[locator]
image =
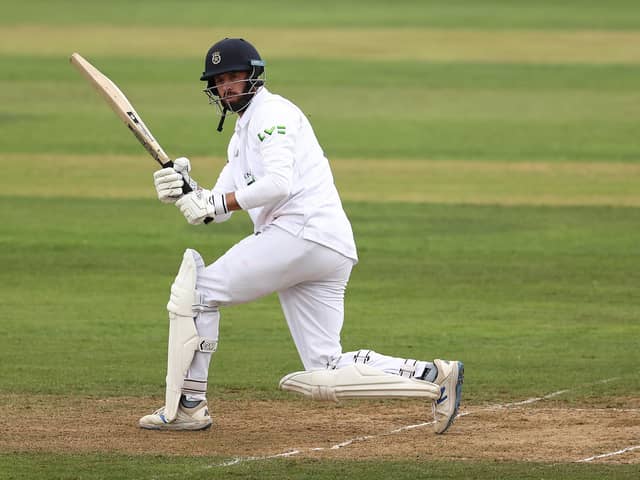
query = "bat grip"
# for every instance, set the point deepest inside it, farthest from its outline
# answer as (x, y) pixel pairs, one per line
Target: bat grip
(186, 188)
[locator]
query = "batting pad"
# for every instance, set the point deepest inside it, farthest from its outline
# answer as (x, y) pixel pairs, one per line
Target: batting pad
(184, 340)
(356, 381)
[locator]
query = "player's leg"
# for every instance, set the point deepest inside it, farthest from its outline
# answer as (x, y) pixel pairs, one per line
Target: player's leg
(256, 266)
(314, 309)
(193, 336)
(405, 367)
(448, 375)
(367, 374)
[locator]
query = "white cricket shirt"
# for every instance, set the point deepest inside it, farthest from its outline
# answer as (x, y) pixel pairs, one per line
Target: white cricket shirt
(281, 176)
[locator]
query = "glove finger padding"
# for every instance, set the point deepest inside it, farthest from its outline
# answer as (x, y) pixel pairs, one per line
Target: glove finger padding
(169, 182)
(168, 185)
(170, 196)
(182, 165)
(164, 172)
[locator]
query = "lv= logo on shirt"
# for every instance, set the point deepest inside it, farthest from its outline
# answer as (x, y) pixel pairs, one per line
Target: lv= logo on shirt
(281, 129)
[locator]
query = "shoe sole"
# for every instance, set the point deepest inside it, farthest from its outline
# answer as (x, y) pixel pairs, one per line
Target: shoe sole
(458, 396)
(176, 428)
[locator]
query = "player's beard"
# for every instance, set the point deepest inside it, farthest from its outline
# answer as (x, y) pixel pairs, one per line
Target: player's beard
(241, 101)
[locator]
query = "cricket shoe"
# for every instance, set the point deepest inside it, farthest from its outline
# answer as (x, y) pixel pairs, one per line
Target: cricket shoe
(449, 379)
(187, 418)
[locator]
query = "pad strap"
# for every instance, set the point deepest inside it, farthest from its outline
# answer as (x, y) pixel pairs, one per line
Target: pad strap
(408, 368)
(199, 304)
(194, 387)
(362, 357)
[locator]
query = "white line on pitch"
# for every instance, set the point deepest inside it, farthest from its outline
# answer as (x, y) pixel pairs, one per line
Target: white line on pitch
(290, 453)
(238, 460)
(610, 454)
(550, 395)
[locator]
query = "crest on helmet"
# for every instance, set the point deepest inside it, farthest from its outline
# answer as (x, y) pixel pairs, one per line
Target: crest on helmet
(215, 58)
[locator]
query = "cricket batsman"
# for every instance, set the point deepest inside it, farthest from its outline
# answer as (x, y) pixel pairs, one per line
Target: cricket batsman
(302, 248)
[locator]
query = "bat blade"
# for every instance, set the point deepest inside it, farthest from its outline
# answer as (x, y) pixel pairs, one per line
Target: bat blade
(122, 107)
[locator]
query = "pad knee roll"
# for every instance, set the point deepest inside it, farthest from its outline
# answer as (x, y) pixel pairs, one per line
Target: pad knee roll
(183, 290)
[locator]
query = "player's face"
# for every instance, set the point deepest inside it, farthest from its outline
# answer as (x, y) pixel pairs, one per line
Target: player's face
(231, 87)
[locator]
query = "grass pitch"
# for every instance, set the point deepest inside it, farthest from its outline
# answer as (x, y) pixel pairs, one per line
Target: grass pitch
(488, 159)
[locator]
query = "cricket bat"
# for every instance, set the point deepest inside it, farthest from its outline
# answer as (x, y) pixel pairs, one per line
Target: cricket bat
(123, 108)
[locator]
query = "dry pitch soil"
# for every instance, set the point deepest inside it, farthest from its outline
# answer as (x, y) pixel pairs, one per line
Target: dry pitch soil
(544, 431)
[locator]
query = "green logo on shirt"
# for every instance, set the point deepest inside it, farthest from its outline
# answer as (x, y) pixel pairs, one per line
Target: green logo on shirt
(280, 129)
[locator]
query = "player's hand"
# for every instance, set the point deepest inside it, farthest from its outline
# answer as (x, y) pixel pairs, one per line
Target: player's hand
(169, 181)
(200, 204)
(182, 165)
(168, 184)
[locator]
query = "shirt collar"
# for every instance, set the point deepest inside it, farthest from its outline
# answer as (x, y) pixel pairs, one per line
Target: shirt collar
(246, 116)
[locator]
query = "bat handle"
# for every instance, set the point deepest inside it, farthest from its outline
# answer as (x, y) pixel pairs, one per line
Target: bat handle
(186, 188)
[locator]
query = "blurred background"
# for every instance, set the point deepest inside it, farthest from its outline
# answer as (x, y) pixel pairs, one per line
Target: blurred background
(487, 154)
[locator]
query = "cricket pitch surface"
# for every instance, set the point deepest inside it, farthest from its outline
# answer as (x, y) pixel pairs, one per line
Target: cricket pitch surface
(253, 430)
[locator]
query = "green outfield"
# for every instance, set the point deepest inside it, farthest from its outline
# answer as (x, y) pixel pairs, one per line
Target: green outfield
(487, 154)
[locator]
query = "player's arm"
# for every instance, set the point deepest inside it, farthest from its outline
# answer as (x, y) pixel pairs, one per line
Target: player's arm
(223, 185)
(271, 188)
(274, 137)
(232, 202)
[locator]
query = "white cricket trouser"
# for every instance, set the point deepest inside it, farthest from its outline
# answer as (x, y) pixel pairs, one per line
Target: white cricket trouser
(310, 280)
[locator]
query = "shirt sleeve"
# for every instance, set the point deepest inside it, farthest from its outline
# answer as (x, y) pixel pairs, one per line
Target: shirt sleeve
(274, 135)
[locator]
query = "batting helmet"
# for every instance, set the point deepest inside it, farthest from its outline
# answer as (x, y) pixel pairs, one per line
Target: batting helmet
(232, 55)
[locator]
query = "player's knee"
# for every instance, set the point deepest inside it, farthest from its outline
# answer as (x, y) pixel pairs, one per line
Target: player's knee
(185, 299)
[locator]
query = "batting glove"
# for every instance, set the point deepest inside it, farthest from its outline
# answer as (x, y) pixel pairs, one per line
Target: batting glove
(182, 165)
(169, 181)
(168, 184)
(201, 204)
